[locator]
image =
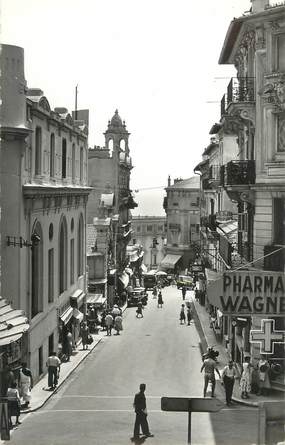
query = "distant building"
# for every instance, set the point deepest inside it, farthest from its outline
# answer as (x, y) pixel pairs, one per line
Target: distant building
(44, 196)
(149, 232)
(181, 205)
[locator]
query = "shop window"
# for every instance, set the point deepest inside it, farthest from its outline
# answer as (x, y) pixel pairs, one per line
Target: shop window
(52, 156)
(37, 273)
(63, 159)
(50, 275)
(62, 256)
(38, 151)
(80, 236)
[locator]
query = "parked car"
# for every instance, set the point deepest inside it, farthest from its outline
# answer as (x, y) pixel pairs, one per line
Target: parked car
(135, 295)
(184, 280)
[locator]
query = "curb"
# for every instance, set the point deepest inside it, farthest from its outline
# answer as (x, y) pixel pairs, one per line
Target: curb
(31, 410)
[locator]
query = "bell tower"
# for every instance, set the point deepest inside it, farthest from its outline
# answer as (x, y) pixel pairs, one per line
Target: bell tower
(117, 133)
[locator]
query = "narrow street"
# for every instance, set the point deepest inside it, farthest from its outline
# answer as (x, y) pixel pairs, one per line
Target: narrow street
(95, 405)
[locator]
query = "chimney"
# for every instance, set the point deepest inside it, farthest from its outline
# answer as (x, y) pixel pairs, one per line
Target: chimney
(259, 5)
(13, 87)
(168, 181)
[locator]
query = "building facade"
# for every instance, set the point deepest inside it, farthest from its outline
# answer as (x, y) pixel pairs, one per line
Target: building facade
(149, 232)
(44, 196)
(182, 208)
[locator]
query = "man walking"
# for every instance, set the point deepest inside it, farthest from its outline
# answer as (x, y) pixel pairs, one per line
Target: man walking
(210, 367)
(141, 414)
(183, 292)
(229, 374)
(53, 364)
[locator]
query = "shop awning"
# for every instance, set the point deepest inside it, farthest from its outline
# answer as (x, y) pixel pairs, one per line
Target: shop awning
(77, 314)
(13, 323)
(96, 299)
(77, 297)
(124, 278)
(98, 281)
(66, 316)
(170, 260)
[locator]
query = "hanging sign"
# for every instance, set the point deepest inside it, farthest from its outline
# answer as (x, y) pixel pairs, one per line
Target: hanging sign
(267, 337)
(249, 292)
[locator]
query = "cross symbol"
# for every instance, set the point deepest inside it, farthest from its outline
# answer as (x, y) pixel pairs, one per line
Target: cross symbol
(267, 336)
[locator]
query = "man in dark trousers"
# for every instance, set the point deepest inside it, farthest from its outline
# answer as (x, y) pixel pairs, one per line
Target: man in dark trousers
(141, 414)
(183, 292)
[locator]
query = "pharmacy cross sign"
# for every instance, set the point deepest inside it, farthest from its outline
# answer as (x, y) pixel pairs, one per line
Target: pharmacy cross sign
(267, 336)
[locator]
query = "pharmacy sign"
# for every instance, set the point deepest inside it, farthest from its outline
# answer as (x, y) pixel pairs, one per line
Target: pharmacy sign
(267, 337)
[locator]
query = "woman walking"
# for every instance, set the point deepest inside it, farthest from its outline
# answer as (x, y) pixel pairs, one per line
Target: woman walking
(14, 404)
(182, 314)
(159, 300)
(25, 384)
(84, 335)
(263, 371)
(245, 381)
(118, 324)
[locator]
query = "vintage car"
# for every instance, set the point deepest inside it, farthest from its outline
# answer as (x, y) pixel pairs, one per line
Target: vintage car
(135, 295)
(184, 280)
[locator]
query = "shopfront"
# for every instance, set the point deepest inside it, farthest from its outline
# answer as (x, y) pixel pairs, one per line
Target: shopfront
(70, 318)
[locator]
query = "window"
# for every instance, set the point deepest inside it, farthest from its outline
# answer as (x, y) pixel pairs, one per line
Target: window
(63, 159)
(138, 228)
(134, 241)
(149, 228)
(279, 221)
(175, 204)
(50, 275)
(38, 151)
(41, 360)
(73, 163)
(281, 52)
(52, 156)
(154, 259)
(197, 228)
(80, 236)
(81, 164)
(72, 261)
(281, 134)
(62, 256)
(37, 273)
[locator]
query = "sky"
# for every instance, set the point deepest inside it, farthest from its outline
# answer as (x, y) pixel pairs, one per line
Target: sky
(156, 61)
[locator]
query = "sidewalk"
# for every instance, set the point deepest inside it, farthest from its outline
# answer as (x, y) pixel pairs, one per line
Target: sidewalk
(208, 338)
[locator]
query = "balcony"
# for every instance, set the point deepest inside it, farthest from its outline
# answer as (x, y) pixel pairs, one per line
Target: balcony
(239, 90)
(238, 173)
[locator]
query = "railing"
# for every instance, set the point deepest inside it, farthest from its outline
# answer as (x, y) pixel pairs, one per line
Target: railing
(240, 89)
(238, 173)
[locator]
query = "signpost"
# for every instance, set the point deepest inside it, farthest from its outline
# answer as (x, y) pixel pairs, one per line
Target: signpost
(191, 405)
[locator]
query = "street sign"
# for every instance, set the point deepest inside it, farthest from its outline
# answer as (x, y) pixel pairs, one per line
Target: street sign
(196, 268)
(182, 404)
(4, 421)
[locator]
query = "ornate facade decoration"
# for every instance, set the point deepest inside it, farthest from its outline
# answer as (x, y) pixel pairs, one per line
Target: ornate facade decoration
(274, 91)
(241, 59)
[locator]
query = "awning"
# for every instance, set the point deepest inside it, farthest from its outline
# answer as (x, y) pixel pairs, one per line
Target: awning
(170, 260)
(77, 314)
(124, 278)
(66, 316)
(77, 297)
(13, 323)
(98, 281)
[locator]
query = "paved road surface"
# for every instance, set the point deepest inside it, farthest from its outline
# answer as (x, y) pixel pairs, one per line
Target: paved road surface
(95, 405)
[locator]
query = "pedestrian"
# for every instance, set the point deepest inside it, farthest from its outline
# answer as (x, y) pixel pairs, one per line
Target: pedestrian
(245, 380)
(68, 345)
(159, 300)
(53, 365)
(103, 320)
(154, 292)
(229, 374)
(14, 404)
(182, 314)
(263, 376)
(116, 311)
(118, 324)
(139, 310)
(84, 335)
(183, 292)
(141, 414)
(210, 366)
(25, 384)
(109, 320)
(189, 315)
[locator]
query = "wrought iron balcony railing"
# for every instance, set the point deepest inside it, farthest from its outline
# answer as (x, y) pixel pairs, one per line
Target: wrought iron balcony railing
(240, 89)
(238, 173)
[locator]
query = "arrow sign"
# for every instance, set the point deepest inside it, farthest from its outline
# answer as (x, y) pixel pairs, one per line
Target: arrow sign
(202, 405)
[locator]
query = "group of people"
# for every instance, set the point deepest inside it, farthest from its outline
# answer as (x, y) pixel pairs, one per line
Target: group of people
(112, 319)
(230, 373)
(188, 314)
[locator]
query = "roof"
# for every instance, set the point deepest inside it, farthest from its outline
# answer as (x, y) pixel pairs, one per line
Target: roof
(230, 39)
(193, 182)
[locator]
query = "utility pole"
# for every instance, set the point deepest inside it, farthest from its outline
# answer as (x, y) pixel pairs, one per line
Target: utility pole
(76, 93)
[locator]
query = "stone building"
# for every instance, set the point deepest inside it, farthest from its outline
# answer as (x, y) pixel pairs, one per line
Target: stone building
(182, 208)
(149, 232)
(44, 196)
